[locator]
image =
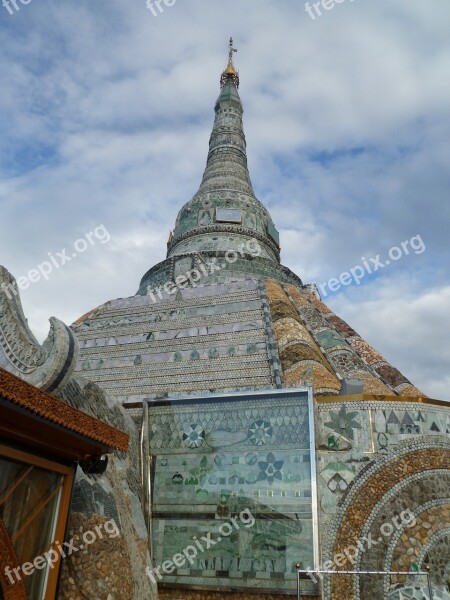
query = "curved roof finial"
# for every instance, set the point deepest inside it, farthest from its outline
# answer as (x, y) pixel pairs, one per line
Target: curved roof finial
(230, 72)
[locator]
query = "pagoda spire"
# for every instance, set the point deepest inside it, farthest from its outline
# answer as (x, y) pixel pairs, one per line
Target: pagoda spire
(224, 215)
(226, 186)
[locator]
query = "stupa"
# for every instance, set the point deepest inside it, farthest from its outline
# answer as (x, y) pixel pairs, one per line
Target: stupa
(272, 450)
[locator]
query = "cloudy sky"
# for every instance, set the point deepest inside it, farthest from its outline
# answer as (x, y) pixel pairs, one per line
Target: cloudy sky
(105, 115)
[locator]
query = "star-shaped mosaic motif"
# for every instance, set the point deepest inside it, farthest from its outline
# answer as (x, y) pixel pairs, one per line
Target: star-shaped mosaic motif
(259, 432)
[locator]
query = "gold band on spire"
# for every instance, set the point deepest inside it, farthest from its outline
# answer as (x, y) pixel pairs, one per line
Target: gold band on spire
(230, 72)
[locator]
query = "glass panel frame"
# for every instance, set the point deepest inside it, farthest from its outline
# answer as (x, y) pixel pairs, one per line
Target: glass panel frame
(215, 470)
(52, 505)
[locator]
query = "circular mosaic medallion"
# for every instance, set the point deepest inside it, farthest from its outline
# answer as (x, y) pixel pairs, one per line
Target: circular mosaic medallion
(251, 458)
(220, 460)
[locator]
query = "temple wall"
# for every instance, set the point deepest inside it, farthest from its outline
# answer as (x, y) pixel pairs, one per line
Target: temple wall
(113, 566)
(384, 481)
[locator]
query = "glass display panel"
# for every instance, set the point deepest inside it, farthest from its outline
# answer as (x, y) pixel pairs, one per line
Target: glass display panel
(232, 494)
(229, 215)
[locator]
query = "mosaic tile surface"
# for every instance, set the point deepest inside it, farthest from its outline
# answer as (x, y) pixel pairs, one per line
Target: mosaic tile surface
(216, 459)
(210, 338)
(375, 460)
(349, 355)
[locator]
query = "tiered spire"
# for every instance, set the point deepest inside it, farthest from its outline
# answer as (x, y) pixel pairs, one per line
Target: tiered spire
(224, 215)
(225, 202)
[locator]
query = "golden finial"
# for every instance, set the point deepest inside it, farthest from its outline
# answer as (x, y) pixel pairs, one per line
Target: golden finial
(230, 72)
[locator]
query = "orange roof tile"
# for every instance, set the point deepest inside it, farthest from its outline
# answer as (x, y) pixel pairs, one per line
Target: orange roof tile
(56, 411)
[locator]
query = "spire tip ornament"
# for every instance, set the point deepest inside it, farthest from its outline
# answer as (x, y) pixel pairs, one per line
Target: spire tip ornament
(230, 72)
(230, 55)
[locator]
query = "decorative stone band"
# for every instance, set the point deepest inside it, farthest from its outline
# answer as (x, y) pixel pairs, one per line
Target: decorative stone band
(345, 361)
(257, 267)
(367, 399)
(219, 160)
(168, 594)
(410, 536)
(429, 537)
(272, 347)
(217, 179)
(310, 336)
(217, 228)
(15, 590)
(225, 180)
(52, 409)
(227, 140)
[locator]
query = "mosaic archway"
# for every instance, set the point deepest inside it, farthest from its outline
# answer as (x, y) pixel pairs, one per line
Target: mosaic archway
(430, 539)
(399, 531)
(361, 505)
(416, 592)
(436, 552)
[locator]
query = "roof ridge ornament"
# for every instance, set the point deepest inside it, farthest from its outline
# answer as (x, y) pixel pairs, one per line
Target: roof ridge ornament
(230, 73)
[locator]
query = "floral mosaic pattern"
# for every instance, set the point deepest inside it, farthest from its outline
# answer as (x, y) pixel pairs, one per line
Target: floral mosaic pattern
(270, 469)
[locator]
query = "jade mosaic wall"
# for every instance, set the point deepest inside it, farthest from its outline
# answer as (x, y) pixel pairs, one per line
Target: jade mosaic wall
(375, 459)
(213, 459)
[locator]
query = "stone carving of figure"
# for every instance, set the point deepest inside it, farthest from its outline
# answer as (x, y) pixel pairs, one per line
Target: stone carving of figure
(205, 219)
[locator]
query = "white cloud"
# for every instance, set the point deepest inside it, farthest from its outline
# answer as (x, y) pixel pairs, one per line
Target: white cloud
(410, 328)
(106, 111)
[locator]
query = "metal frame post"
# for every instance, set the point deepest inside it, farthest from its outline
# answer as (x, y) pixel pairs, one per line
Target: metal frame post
(430, 589)
(313, 466)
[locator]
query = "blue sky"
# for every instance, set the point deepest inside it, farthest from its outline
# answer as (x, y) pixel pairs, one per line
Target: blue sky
(105, 115)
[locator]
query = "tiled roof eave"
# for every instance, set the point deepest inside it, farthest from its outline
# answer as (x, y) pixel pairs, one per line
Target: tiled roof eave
(56, 411)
